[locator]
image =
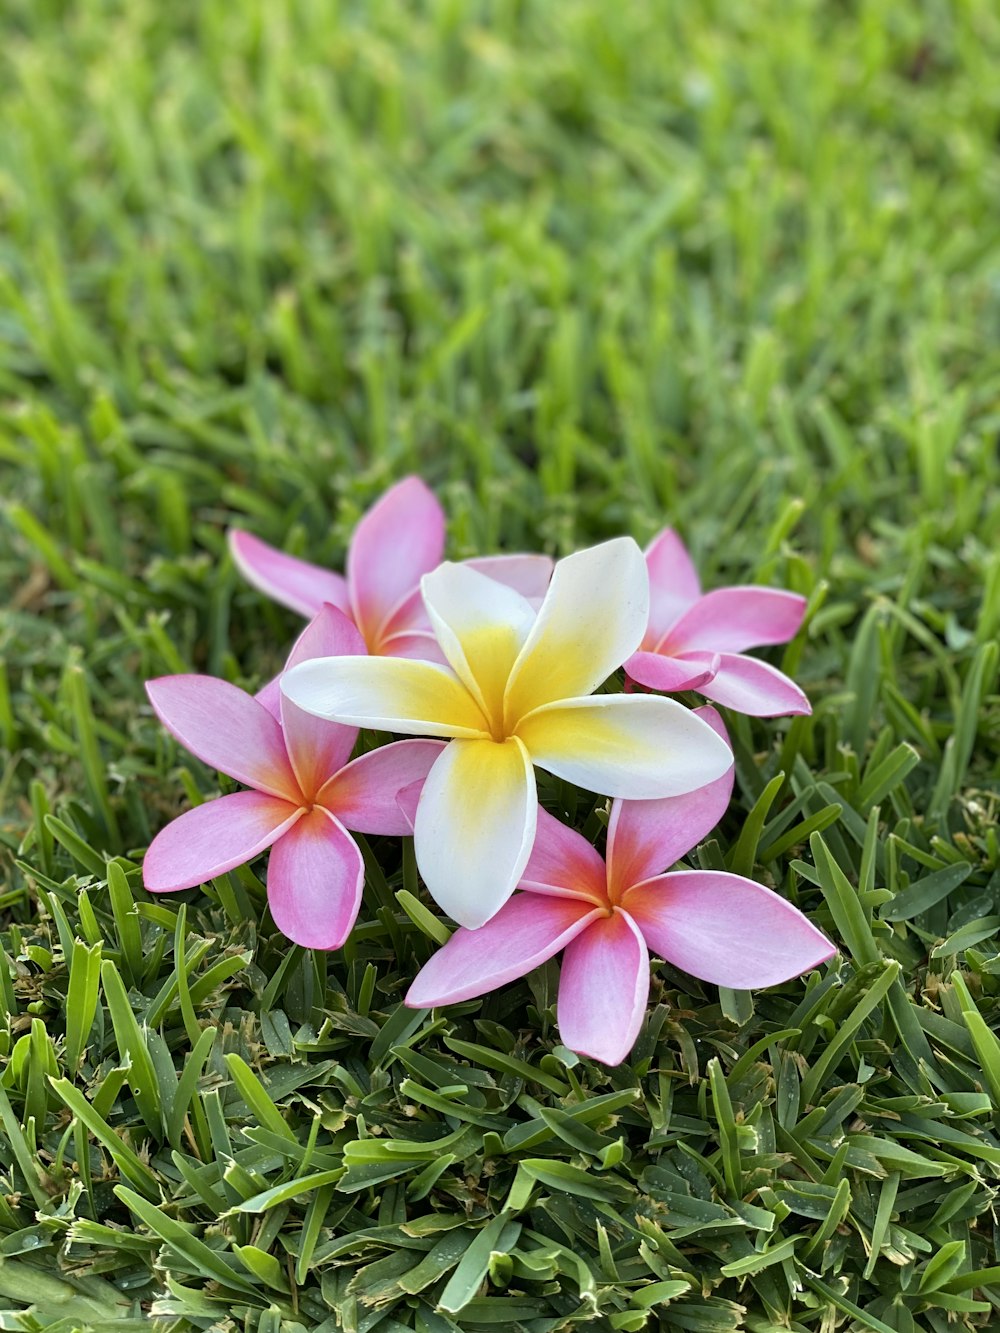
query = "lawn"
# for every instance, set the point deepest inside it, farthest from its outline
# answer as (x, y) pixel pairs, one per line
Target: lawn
(587, 269)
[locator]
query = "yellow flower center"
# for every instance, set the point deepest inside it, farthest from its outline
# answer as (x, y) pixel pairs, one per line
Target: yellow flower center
(491, 651)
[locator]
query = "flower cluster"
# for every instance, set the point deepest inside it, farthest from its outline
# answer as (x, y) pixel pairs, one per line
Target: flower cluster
(497, 667)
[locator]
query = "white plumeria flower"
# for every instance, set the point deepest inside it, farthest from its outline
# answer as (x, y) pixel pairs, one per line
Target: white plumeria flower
(518, 692)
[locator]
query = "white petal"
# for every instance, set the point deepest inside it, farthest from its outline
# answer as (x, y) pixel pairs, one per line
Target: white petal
(638, 746)
(481, 626)
(387, 693)
(593, 617)
(475, 825)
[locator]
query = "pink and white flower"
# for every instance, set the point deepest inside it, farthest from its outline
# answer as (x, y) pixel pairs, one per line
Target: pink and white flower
(607, 917)
(304, 801)
(697, 641)
(398, 540)
(518, 690)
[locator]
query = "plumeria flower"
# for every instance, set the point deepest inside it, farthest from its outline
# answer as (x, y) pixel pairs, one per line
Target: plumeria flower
(607, 917)
(397, 541)
(518, 691)
(696, 641)
(304, 795)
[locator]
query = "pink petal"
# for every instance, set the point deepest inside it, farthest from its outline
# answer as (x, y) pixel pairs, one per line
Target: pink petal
(314, 880)
(421, 645)
(329, 634)
(294, 583)
(406, 799)
(527, 574)
(731, 619)
(409, 614)
(726, 929)
(398, 540)
(317, 747)
(213, 838)
(673, 584)
(603, 989)
(669, 675)
(753, 687)
(526, 931)
(563, 862)
(645, 837)
(227, 729)
(269, 696)
(365, 796)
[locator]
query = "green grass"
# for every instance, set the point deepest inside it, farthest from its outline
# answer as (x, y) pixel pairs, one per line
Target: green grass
(587, 268)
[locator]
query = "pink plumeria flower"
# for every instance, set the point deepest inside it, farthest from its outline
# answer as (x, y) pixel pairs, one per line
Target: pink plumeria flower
(518, 691)
(696, 641)
(397, 541)
(304, 795)
(607, 917)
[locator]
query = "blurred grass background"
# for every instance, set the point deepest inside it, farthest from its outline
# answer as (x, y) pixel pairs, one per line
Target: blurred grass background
(587, 269)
